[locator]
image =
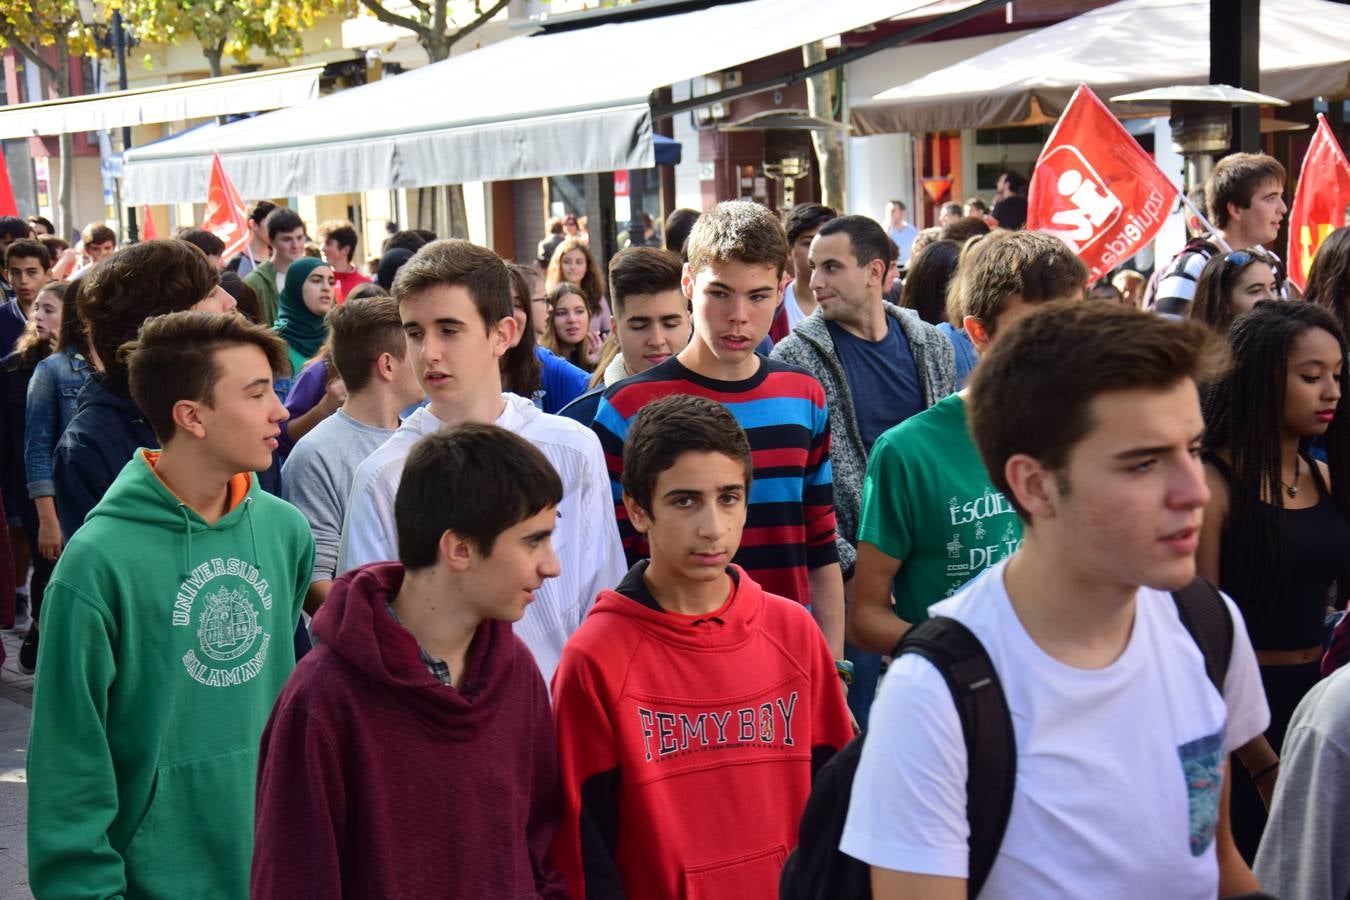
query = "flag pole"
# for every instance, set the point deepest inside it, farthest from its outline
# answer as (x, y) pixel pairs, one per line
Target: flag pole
(1186, 201)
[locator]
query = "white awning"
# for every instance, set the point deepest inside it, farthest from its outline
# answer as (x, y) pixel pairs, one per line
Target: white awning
(252, 92)
(570, 102)
(1128, 46)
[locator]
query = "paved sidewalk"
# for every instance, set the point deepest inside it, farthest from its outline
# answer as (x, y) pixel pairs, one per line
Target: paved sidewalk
(16, 703)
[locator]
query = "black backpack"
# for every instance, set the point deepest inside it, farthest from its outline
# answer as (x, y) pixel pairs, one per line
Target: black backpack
(818, 870)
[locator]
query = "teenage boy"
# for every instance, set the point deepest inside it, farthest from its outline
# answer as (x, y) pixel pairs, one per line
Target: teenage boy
(930, 518)
(455, 302)
(338, 242)
(1245, 198)
(166, 635)
(737, 253)
(417, 674)
(97, 242)
(651, 320)
(286, 236)
(656, 789)
(28, 266)
(258, 248)
(140, 281)
(371, 356)
(879, 365)
(803, 221)
(1088, 418)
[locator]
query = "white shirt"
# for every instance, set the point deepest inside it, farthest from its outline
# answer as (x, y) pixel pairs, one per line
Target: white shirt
(586, 539)
(1118, 769)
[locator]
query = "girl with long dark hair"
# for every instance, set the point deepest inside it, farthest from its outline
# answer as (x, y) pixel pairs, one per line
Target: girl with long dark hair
(1276, 532)
(1329, 278)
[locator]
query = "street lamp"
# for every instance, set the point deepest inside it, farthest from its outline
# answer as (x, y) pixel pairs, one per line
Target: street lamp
(114, 37)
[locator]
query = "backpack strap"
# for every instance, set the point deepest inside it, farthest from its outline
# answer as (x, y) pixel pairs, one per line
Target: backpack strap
(1206, 617)
(986, 722)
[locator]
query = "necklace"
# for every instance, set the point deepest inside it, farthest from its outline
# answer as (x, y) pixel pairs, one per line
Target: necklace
(1291, 489)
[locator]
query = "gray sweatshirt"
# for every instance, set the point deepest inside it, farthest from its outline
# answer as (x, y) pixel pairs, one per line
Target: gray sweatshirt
(317, 479)
(1305, 851)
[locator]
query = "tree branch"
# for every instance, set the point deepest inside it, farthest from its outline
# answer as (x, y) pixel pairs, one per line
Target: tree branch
(385, 16)
(476, 23)
(27, 52)
(422, 8)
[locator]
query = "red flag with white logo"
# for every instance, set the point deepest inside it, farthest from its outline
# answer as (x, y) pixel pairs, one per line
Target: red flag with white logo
(1319, 202)
(1095, 188)
(225, 216)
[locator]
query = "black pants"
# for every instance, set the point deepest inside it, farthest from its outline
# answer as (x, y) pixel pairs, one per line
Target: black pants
(1285, 686)
(42, 566)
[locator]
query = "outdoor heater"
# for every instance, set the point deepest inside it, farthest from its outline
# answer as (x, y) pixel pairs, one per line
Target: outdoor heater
(786, 160)
(1201, 120)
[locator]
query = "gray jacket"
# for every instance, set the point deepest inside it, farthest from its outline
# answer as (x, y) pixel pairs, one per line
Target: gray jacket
(811, 347)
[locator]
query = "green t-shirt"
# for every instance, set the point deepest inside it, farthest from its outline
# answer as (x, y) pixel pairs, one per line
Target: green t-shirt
(928, 502)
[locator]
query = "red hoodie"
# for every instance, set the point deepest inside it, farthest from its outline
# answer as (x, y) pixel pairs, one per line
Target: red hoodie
(687, 745)
(376, 780)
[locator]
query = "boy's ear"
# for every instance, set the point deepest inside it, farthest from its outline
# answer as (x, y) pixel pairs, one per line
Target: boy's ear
(187, 418)
(978, 334)
(641, 519)
(1033, 486)
(687, 283)
(505, 334)
(457, 550)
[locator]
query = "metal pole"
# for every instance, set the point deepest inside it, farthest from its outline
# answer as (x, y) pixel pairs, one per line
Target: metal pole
(119, 36)
(1235, 58)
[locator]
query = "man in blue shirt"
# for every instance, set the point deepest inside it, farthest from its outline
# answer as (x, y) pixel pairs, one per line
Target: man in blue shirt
(879, 365)
(900, 230)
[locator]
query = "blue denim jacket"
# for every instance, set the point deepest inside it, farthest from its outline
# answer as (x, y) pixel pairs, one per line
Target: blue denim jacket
(53, 394)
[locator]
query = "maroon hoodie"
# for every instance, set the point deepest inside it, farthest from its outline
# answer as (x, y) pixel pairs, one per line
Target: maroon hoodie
(376, 780)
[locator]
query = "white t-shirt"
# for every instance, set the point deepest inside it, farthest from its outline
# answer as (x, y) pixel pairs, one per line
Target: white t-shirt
(1118, 769)
(586, 539)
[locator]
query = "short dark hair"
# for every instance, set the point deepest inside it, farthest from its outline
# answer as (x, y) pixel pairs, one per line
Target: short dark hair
(43, 221)
(243, 294)
(55, 245)
(13, 227)
(898, 204)
(678, 224)
(173, 359)
(977, 203)
(963, 229)
(1032, 392)
(475, 480)
(258, 212)
(1035, 266)
(950, 206)
(203, 240)
(361, 331)
(641, 270)
(282, 219)
(1017, 183)
(1236, 179)
(28, 248)
(98, 233)
(407, 240)
(366, 289)
(739, 230)
(866, 239)
(806, 217)
(666, 429)
(143, 280)
(341, 231)
(455, 262)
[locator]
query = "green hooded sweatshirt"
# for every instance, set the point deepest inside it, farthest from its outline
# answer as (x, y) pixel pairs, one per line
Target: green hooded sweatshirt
(164, 644)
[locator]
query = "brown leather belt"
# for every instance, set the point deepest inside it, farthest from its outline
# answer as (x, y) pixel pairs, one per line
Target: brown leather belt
(1288, 657)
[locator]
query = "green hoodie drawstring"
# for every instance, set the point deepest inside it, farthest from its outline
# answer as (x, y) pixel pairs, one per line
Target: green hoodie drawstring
(252, 531)
(187, 546)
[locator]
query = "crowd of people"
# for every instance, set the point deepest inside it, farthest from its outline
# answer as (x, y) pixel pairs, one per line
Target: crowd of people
(802, 558)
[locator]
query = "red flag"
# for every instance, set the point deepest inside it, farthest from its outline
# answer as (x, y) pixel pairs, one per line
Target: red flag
(225, 217)
(148, 232)
(7, 205)
(1096, 188)
(1319, 202)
